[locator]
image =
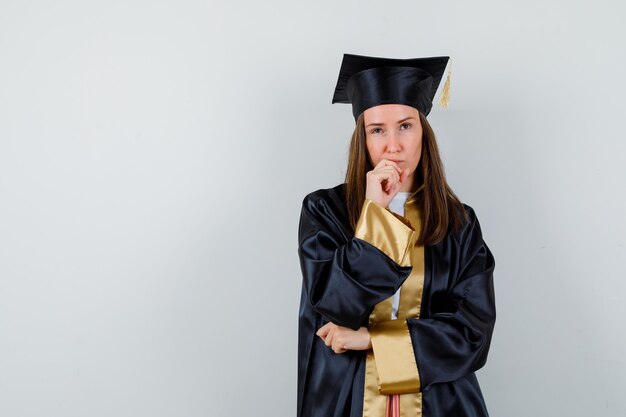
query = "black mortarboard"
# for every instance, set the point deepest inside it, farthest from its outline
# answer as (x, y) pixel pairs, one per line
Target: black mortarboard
(367, 81)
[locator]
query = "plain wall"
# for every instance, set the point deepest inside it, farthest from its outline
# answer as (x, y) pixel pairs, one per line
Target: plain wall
(153, 160)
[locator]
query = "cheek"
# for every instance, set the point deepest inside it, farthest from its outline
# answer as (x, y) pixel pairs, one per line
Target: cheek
(374, 152)
(417, 154)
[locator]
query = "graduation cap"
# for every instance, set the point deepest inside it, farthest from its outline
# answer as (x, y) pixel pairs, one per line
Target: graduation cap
(367, 81)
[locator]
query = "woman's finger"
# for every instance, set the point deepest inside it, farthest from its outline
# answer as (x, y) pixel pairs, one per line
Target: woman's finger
(387, 173)
(337, 341)
(323, 331)
(338, 347)
(329, 337)
(387, 162)
(392, 178)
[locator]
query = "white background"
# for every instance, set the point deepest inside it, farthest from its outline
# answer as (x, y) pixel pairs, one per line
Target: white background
(153, 160)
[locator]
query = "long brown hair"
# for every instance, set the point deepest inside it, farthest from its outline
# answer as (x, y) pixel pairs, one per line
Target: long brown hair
(441, 210)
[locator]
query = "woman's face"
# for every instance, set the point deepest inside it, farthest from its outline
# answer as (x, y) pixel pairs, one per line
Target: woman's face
(394, 132)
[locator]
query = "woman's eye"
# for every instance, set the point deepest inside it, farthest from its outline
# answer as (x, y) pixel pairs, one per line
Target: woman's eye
(408, 125)
(377, 130)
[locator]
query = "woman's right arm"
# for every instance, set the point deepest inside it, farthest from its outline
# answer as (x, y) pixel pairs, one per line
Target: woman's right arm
(345, 280)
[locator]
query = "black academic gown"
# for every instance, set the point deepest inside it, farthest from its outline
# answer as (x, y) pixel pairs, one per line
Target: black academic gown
(344, 277)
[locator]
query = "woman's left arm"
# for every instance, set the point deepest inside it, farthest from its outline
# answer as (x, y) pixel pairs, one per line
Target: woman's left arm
(447, 345)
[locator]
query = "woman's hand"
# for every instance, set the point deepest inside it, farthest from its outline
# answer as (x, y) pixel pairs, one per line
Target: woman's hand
(341, 338)
(384, 182)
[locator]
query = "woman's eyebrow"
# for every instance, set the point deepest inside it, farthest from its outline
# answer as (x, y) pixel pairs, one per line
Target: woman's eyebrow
(382, 124)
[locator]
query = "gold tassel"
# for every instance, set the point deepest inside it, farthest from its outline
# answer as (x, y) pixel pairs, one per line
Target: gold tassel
(445, 94)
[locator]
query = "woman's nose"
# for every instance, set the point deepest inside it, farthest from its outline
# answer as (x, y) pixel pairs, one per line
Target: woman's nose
(394, 142)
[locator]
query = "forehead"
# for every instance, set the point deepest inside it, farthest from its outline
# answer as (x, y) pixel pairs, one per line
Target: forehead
(388, 113)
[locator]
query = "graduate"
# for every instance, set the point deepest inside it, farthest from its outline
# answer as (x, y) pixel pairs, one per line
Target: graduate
(397, 306)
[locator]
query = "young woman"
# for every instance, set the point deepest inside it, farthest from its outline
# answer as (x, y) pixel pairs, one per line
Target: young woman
(397, 307)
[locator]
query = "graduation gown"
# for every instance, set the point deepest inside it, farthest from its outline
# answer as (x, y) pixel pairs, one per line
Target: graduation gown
(430, 353)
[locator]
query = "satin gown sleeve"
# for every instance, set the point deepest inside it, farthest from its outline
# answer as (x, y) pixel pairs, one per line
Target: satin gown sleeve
(345, 276)
(453, 339)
